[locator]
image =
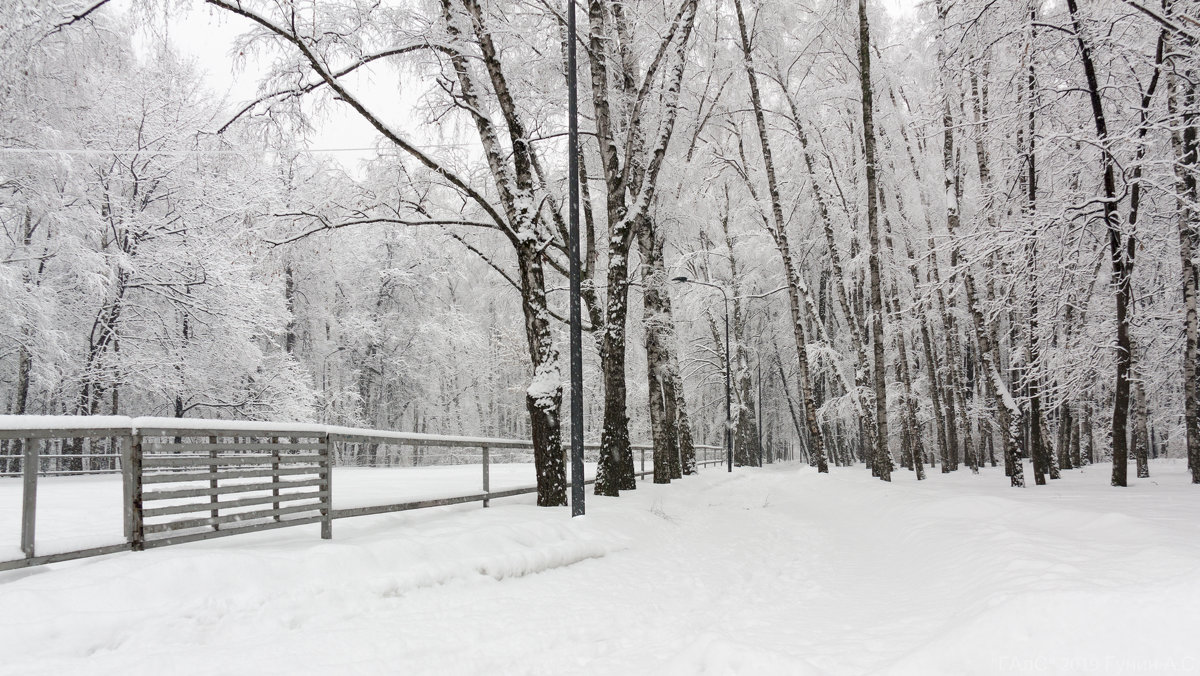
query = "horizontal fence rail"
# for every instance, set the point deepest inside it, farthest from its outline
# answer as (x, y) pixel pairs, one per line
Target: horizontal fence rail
(188, 479)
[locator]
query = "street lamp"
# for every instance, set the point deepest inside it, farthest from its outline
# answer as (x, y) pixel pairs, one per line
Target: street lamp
(728, 391)
(324, 378)
(575, 303)
(325, 363)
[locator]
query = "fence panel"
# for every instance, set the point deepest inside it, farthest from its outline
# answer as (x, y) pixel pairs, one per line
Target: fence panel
(195, 485)
(188, 480)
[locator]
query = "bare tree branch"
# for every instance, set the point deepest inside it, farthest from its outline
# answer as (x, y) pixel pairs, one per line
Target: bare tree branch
(326, 225)
(296, 92)
(318, 66)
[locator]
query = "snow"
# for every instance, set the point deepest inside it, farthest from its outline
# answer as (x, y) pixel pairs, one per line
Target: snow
(64, 422)
(763, 571)
(229, 425)
(494, 442)
(118, 422)
(547, 383)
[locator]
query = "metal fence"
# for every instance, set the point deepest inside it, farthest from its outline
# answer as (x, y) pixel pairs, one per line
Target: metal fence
(185, 480)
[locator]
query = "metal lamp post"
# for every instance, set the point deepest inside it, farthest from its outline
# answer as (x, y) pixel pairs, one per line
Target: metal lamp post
(325, 363)
(577, 478)
(728, 390)
(758, 408)
(324, 377)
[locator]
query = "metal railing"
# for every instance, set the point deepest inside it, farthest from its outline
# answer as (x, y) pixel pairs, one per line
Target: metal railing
(187, 479)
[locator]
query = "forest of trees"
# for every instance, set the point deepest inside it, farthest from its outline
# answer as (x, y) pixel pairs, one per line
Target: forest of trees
(960, 236)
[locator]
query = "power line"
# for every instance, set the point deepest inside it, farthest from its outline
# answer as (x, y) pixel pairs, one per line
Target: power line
(260, 151)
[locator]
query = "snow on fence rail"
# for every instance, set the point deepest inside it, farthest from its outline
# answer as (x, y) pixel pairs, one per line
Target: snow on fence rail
(191, 479)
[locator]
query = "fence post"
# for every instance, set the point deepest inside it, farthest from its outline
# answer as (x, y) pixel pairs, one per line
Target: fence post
(275, 474)
(643, 476)
(126, 489)
(29, 469)
(327, 503)
(133, 504)
(487, 480)
(212, 483)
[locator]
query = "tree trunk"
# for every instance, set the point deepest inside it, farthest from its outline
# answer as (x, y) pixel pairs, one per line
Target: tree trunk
(630, 175)
(512, 172)
(660, 338)
(955, 397)
(1008, 412)
(1089, 437)
(1066, 424)
(615, 470)
(914, 446)
(1141, 424)
(882, 460)
(935, 395)
(745, 438)
(683, 425)
(1076, 459)
(1037, 445)
(1141, 427)
(928, 328)
(20, 405)
(1186, 147)
(862, 367)
(1121, 253)
(289, 298)
(779, 233)
(543, 400)
(913, 427)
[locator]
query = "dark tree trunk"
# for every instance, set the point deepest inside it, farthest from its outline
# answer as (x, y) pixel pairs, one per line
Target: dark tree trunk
(1037, 445)
(615, 471)
(935, 396)
(882, 460)
(289, 298)
(1121, 253)
(1076, 459)
(1141, 429)
(512, 172)
(1066, 426)
(683, 425)
(660, 338)
(544, 398)
(1182, 102)
(1089, 437)
(1141, 424)
(630, 176)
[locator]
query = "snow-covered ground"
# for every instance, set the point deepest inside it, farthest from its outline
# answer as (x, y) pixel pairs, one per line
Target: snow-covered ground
(774, 570)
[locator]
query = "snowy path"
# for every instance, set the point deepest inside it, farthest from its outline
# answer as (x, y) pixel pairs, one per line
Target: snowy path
(765, 571)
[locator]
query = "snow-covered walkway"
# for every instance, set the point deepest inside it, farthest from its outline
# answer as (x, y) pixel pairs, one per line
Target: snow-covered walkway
(775, 570)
